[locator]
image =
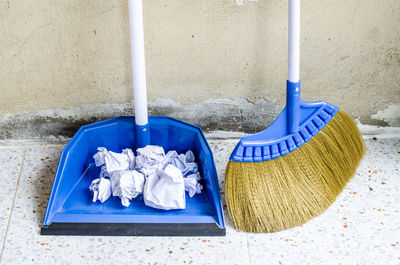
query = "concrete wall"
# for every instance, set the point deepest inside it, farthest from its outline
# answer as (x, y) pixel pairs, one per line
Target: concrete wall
(64, 54)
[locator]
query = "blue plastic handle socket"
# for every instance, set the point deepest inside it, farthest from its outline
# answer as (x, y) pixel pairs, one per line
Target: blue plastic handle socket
(296, 124)
(142, 135)
(293, 105)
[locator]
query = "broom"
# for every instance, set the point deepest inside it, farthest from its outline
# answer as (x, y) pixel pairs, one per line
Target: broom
(293, 170)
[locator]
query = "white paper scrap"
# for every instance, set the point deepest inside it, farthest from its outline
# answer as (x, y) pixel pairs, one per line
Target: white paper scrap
(190, 168)
(170, 155)
(189, 156)
(192, 186)
(149, 157)
(182, 158)
(178, 163)
(101, 188)
(113, 161)
(168, 159)
(103, 172)
(165, 190)
(162, 178)
(127, 184)
(131, 158)
(99, 156)
(114, 178)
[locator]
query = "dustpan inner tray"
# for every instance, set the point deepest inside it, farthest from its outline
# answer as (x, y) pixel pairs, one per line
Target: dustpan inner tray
(71, 200)
(80, 202)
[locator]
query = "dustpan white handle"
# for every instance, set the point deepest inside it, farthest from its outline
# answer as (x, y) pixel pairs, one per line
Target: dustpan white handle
(138, 61)
(294, 41)
(142, 128)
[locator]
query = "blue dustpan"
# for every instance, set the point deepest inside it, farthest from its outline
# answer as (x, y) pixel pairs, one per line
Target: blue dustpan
(70, 209)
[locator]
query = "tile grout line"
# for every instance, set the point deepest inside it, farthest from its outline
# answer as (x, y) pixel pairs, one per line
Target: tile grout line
(12, 205)
(248, 249)
(30, 145)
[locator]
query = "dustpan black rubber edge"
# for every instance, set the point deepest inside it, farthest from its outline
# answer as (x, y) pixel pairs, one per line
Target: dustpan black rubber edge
(133, 229)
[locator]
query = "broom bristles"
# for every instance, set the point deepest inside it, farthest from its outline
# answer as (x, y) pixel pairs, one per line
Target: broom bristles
(289, 191)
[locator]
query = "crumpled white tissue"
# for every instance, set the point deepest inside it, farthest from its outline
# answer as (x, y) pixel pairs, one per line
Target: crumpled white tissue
(149, 156)
(113, 161)
(131, 158)
(189, 156)
(149, 159)
(101, 189)
(103, 172)
(165, 189)
(190, 168)
(127, 184)
(192, 186)
(168, 159)
(162, 178)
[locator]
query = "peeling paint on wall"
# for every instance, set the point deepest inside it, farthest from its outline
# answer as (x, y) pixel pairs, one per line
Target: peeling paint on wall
(391, 115)
(369, 131)
(241, 2)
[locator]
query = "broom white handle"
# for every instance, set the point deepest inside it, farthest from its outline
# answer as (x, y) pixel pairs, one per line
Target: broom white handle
(294, 41)
(138, 61)
(293, 82)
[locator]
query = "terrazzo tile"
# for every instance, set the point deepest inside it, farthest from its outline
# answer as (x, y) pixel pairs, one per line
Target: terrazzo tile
(24, 245)
(5, 209)
(10, 161)
(361, 227)
(222, 150)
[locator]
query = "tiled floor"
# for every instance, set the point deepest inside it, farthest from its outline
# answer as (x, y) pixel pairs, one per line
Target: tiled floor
(361, 227)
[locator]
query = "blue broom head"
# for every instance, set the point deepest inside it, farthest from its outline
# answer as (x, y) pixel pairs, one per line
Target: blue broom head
(281, 137)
